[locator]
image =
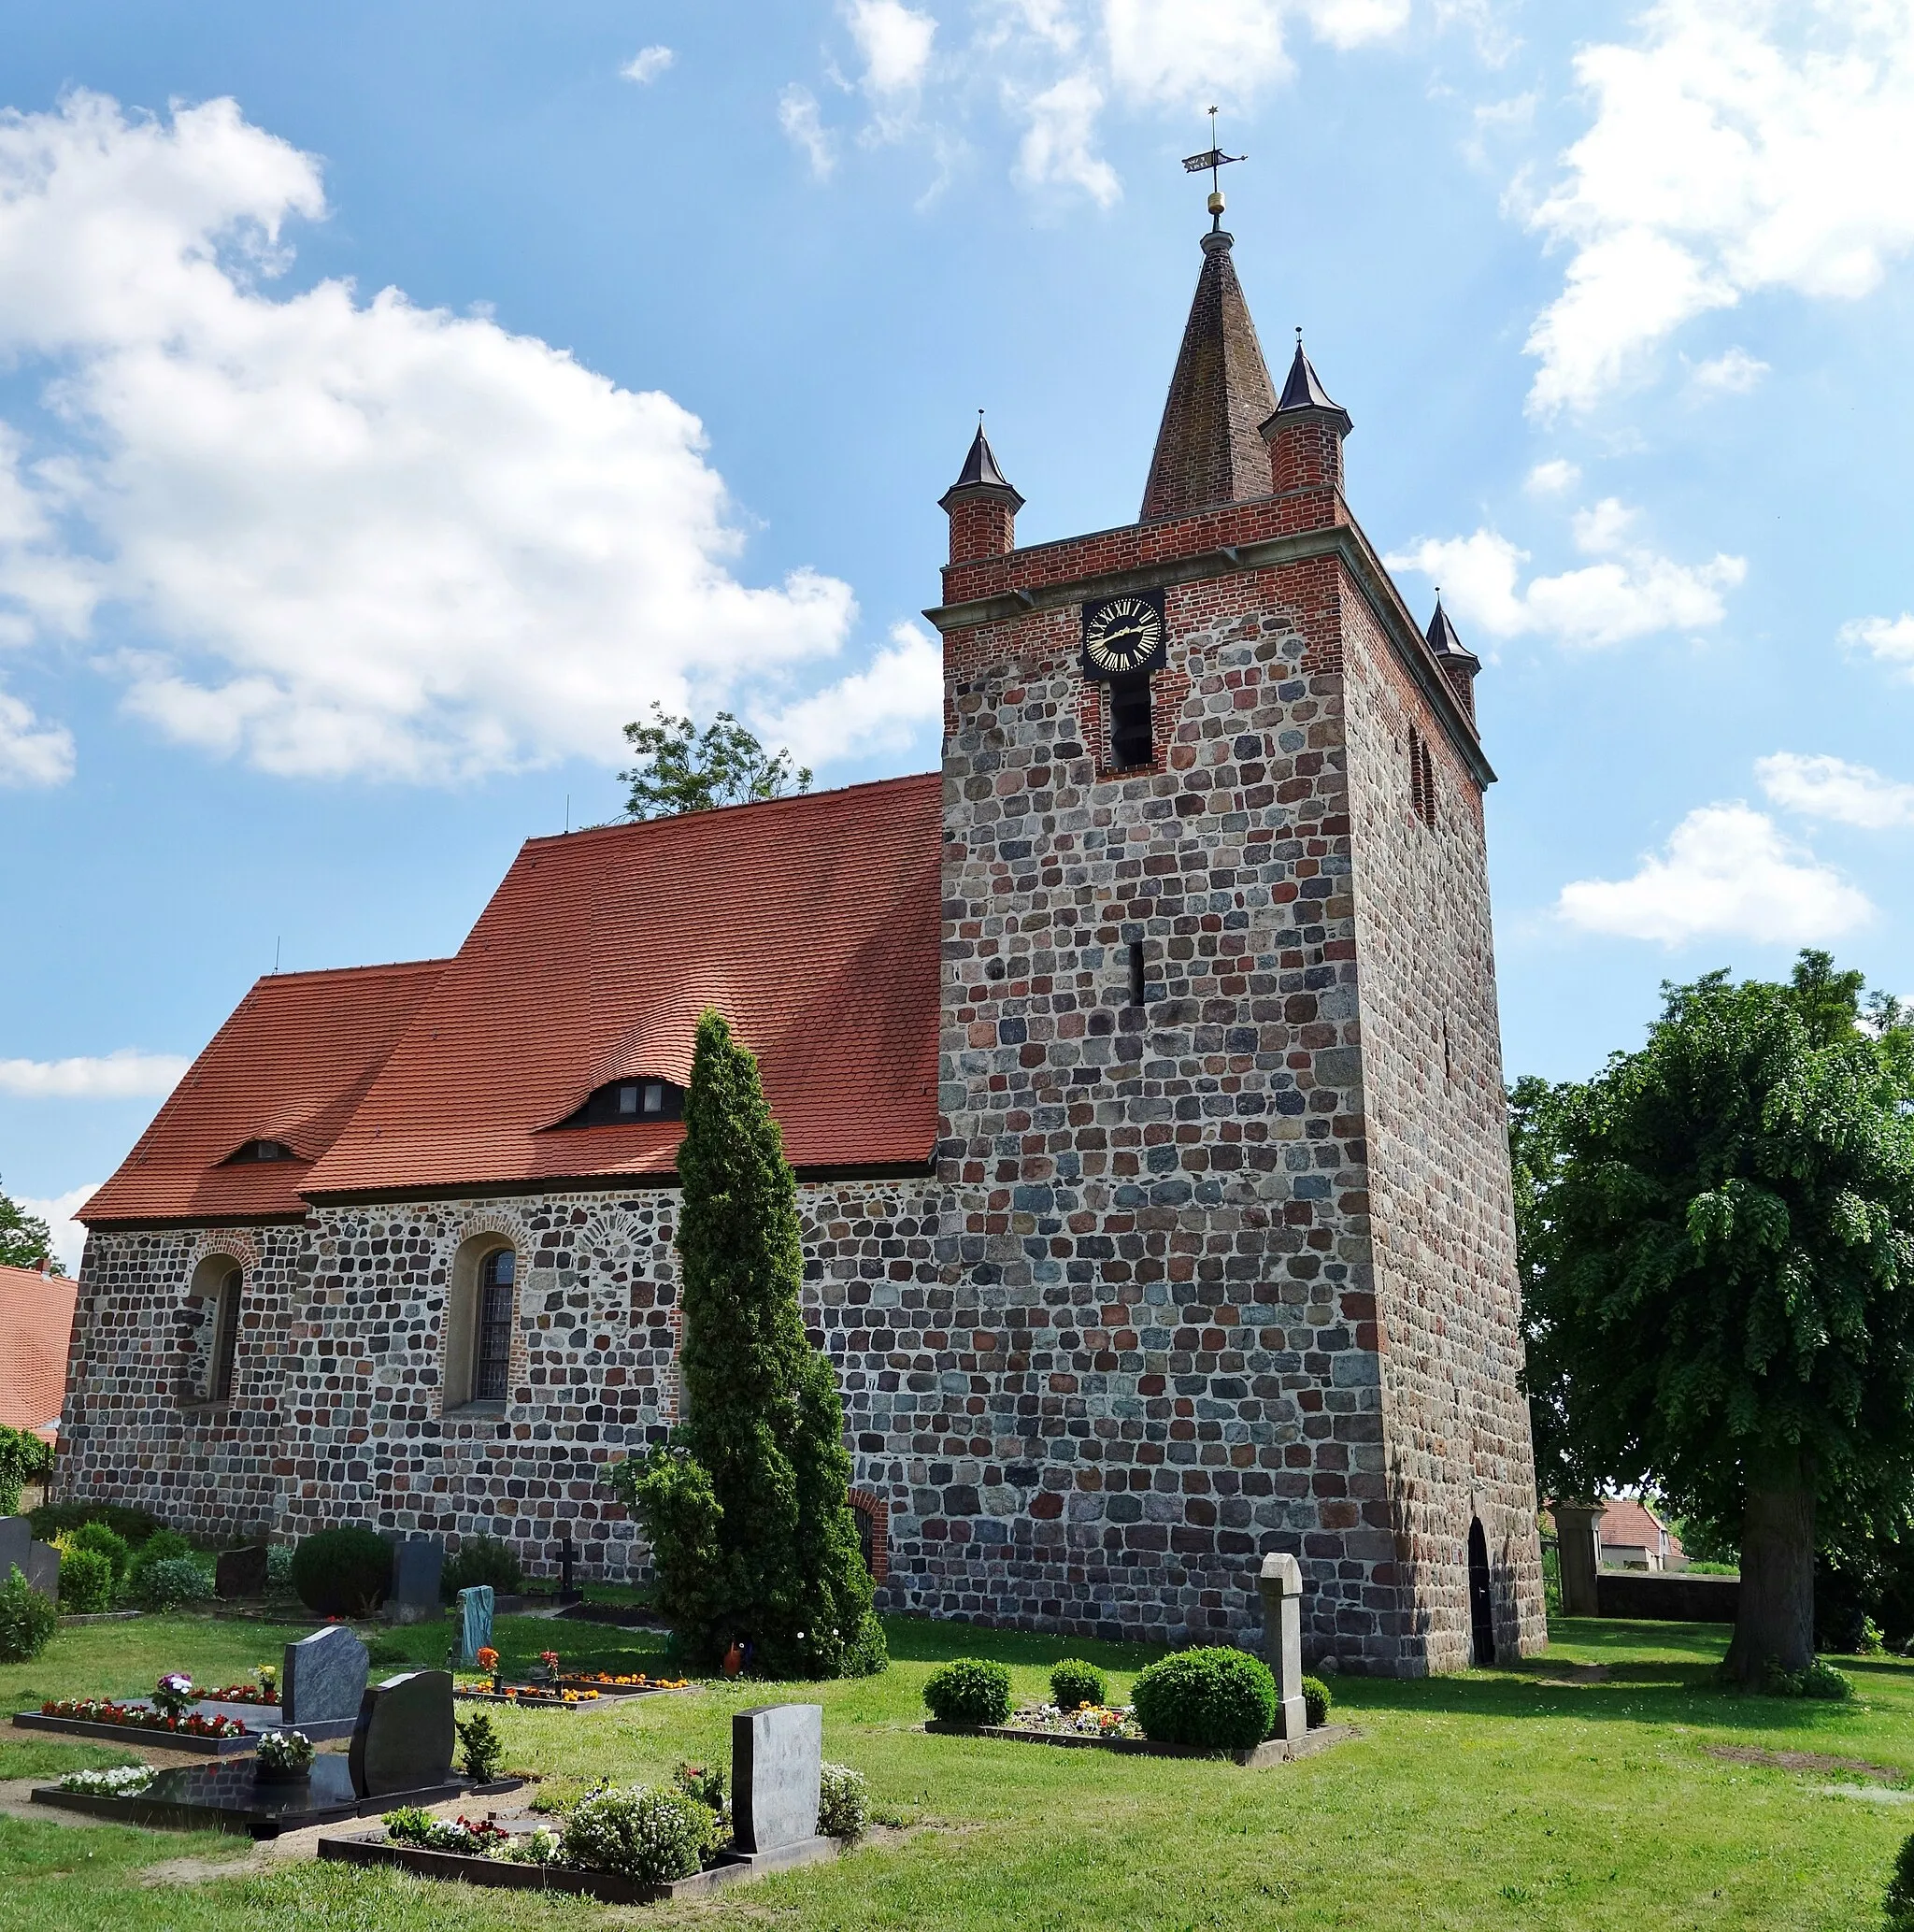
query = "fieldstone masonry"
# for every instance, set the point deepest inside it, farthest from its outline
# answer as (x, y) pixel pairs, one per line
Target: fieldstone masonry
(1225, 1273)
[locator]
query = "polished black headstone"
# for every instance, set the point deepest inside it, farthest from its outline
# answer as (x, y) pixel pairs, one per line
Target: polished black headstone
(240, 1572)
(322, 1678)
(406, 1734)
(416, 1565)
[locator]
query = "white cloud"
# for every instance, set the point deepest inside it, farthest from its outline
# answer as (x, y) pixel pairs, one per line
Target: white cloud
(804, 127)
(894, 42)
(646, 65)
(1735, 146)
(1059, 145)
(1632, 591)
(356, 536)
(1830, 787)
(1171, 51)
(69, 1238)
(1727, 871)
(125, 1075)
(32, 754)
(881, 709)
(1890, 639)
(1734, 372)
(1553, 477)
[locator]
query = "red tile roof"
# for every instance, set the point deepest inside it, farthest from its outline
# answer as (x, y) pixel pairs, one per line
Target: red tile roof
(812, 923)
(290, 1064)
(36, 1325)
(1628, 1525)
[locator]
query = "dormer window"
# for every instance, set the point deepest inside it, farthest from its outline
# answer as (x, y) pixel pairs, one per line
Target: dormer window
(630, 1103)
(264, 1150)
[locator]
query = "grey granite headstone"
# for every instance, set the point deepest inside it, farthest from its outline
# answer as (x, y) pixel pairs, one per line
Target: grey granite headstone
(475, 1622)
(406, 1734)
(240, 1572)
(322, 1678)
(1280, 1585)
(777, 1754)
(16, 1540)
(417, 1563)
(43, 1570)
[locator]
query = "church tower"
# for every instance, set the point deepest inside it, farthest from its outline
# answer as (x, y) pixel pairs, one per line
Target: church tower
(1226, 1257)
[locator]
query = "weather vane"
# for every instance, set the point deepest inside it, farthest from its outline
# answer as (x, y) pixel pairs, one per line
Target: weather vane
(1215, 160)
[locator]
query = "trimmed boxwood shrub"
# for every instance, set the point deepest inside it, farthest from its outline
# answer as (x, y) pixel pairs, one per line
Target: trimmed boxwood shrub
(27, 1619)
(104, 1540)
(1073, 1684)
(86, 1582)
(968, 1690)
(482, 1560)
(342, 1572)
(1215, 1699)
(1316, 1701)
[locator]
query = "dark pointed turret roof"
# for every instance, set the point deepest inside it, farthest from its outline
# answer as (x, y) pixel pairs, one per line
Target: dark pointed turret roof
(1209, 450)
(1443, 639)
(980, 471)
(1303, 390)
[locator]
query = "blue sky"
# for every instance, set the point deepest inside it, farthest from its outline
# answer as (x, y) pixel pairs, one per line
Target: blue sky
(395, 399)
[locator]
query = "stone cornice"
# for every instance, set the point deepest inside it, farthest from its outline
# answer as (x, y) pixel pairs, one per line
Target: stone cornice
(1345, 541)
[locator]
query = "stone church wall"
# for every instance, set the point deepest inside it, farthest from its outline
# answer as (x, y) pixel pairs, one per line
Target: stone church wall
(1440, 1214)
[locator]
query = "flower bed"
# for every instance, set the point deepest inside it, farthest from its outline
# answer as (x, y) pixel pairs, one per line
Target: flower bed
(123, 1780)
(604, 1685)
(138, 1717)
(1029, 1726)
(1086, 1721)
(534, 1696)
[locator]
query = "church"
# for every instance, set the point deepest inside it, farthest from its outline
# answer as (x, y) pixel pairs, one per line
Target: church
(1140, 1069)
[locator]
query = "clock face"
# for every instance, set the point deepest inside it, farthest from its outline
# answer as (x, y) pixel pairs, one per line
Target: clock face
(1123, 633)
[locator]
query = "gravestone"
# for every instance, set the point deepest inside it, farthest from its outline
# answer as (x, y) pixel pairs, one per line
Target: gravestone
(475, 1622)
(43, 1570)
(406, 1734)
(322, 1678)
(240, 1572)
(1578, 1544)
(1280, 1584)
(777, 1752)
(416, 1565)
(16, 1542)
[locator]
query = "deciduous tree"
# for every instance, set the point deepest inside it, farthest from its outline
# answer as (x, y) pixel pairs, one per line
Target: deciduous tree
(682, 768)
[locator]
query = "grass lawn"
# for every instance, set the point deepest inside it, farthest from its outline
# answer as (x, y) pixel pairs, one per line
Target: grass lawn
(1503, 1798)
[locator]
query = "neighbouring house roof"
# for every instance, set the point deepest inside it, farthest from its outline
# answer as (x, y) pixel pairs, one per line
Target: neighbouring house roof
(1628, 1525)
(36, 1325)
(290, 1064)
(812, 923)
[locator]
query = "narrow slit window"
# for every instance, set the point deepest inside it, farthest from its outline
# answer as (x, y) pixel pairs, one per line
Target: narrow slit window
(494, 1355)
(1133, 737)
(1136, 972)
(1422, 778)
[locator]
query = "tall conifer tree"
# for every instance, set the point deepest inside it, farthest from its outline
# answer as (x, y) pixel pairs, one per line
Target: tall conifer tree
(746, 1508)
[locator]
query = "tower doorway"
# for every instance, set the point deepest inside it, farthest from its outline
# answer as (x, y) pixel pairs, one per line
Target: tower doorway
(1482, 1605)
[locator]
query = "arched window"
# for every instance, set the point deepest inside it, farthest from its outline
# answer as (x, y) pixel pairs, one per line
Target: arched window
(214, 1296)
(481, 1317)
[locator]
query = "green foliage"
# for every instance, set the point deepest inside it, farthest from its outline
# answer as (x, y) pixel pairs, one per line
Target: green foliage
(23, 1459)
(1218, 1699)
(482, 1747)
(1073, 1684)
(868, 1652)
(682, 769)
(86, 1582)
(844, 1803)
(342, 1572)
(1316, 1702)
(163, 1546)
(1820, 1680)
(968, 1690)
(169, 1583)
(1871, 1642)
(746, 1508)
(279, 1568)
(50, 1519)
(707, 1784)
(1717, 1248)
(482, 1560)
(104, 1540)
(27, 1619)
(1898, 1905)
(25, 1238)
(652, 1836)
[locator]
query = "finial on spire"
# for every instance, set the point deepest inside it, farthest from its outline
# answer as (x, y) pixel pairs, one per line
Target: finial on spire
(1214, 160)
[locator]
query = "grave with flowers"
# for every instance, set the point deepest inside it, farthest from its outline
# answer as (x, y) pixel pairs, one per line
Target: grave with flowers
(552, 1688)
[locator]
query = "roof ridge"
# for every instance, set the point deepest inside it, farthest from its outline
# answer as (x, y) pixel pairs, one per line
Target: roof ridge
(381, 966)
(789, 799)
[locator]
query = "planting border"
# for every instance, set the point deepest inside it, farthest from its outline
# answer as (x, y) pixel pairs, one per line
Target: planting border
(626, 1690)
(164, 1814)
(1273, 1750)
(134, 1735)
(610, 1888)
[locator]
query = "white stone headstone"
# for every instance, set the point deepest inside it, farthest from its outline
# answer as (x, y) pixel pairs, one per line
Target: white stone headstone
(776, 1759)
(1280, 1584)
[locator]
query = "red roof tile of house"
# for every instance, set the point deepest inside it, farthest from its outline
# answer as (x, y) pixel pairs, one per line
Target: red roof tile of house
(290, 1066)
(36, 1325)
(812, 923)
(1628, 1525)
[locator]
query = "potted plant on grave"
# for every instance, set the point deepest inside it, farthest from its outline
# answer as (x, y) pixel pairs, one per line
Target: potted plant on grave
(284, 1757)
(174, 1695)
(550, 1660)
(487, 1659)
